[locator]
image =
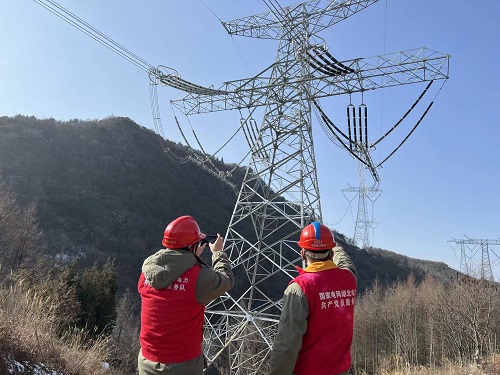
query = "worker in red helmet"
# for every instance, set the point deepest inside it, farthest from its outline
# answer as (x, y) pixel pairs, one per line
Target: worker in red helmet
(175, 286)
(316, 325)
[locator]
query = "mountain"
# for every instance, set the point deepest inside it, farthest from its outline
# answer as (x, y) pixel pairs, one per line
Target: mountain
(107, 188)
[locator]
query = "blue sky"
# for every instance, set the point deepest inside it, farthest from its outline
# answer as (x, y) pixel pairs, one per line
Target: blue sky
(442, 184)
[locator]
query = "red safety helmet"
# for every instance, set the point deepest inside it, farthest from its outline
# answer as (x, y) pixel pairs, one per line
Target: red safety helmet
(182, 232)
(316, 237)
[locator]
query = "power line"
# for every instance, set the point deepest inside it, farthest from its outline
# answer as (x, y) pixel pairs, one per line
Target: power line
(95, 34)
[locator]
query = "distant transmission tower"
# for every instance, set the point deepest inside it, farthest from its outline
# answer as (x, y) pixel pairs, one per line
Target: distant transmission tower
(280, 193)
(363, 222)
(468, 265)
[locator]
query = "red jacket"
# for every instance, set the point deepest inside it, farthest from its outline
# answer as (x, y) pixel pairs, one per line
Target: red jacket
(326, 345)
(171, 319)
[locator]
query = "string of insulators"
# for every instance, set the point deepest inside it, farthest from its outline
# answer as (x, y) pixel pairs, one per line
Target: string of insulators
(331, 62)
(182, 84)
(359, 125)
(255, 131)
(354, 123)
(250, 131)
(365, 117)
(349, 127)
(247, 136)
(325, 63)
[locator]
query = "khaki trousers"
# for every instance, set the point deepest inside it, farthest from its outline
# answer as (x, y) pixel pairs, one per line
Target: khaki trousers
(192, 367)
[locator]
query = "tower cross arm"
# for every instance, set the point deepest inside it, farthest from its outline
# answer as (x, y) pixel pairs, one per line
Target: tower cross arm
(400, 68)
(395, 69)
(472, 241)
(269, 25)
(338, 11)
(263, 26)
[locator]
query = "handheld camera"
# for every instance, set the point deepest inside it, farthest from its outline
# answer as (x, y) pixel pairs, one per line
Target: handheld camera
(208, 239)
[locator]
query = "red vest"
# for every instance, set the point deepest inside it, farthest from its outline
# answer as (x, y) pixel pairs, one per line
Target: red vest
(171, 319)
(326, 345)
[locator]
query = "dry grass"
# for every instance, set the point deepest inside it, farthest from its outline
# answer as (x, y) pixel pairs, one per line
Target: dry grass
(28, 330)
(493, 366)
(489, 367)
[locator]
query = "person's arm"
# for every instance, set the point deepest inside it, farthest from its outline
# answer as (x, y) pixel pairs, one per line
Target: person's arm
(214, 282)
(291, 329)
(342, 260)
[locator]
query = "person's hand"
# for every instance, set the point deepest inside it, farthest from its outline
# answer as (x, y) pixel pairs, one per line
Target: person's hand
(217, 244)
(200, 249)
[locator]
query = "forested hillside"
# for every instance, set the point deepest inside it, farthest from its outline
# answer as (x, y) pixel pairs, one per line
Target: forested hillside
(100, 193)
(106, 189)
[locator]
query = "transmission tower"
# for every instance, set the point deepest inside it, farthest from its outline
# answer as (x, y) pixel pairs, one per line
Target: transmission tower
(363, 222)
(469, 265)
(280, 194)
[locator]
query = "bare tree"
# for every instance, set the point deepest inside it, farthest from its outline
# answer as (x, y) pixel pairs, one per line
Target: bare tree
(126, 332)
(27, 236)
(20, 233)
(370, 335)
(9, 212)
(467, 315)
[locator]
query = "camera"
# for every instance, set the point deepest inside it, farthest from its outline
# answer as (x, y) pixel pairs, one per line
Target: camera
(208, 239)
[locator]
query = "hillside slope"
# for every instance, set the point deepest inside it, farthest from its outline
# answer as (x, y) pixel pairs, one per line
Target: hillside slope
(105, 188)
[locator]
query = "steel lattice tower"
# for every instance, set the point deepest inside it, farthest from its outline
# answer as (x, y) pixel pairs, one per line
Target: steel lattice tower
(280, 194)
(466, 262)
(363, 222)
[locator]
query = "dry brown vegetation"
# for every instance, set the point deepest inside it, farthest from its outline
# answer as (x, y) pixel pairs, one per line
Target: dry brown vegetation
(431, 328)
(58, 315)
(492, 367)
(29, 331)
